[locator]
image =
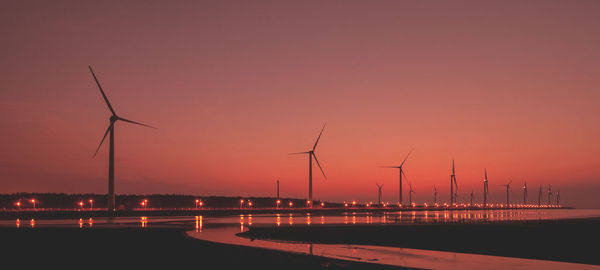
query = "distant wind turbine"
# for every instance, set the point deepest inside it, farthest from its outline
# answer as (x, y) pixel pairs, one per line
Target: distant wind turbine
(471, 198)
(540, 197)
(453, 187)
(410, 193)
(435, 193)
(558, 198)
(507, 193)
(549, 194)
(485, 188)
(311, 154)
(111, 157)
(525, 193)
(379, 193)
(400, 175)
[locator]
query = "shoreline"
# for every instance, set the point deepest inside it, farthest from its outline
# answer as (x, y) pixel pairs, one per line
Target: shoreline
(566, 240)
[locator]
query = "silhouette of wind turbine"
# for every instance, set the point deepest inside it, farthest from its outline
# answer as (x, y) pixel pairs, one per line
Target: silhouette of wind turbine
(111, 158)
(525, 193)
(379, 193)
(435, 193)
(485, 188)
(558, 198)
(549, 194)
(453, 184)
(410, 192)
(311, 154)
(400, 175)
(540, 197)
(507, 193)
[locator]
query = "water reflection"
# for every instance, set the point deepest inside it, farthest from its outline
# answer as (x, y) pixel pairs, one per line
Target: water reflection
(32, 223)
(198, 224)
(18, 223)
(144, 222)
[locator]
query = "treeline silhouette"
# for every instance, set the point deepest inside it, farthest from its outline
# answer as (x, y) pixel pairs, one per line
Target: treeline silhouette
(132, 201)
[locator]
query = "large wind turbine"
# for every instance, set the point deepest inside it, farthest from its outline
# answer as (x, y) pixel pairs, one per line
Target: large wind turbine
(507, 193)
(311, 154)
(379, 193)
(400, 175)
(485, 188)
(111, 157)
(453, 184)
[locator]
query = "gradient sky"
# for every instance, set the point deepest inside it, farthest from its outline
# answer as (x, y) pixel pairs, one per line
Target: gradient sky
(234, 86)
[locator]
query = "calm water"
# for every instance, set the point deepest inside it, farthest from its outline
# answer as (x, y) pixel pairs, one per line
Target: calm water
(223, 230)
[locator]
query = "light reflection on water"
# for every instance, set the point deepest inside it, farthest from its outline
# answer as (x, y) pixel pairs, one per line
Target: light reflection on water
(212, 229)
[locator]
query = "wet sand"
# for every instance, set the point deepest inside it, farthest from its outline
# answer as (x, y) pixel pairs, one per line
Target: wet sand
(572, 240)
(120, 248)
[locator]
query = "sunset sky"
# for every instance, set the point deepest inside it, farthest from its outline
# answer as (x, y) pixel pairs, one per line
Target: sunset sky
(234, 86)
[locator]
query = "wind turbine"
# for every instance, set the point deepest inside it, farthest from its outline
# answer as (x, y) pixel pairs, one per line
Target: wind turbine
(379, 193)
(311, 154)
(540, 197)
(435, 193)
(549, 194)
(558, 198)
(453, 184)
(111, 157)
(525, 193)
(410, 193)
(471, 198)
(400, 175)
(485, 188)
(507, 193)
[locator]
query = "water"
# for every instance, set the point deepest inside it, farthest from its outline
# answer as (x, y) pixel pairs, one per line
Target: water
(224, 229)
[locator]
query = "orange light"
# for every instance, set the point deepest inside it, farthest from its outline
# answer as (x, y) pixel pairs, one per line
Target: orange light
(322, 204)
(353, 203)
(241, 201)
(345, 204)
(291, 203)
(81, 204)
(201, 203)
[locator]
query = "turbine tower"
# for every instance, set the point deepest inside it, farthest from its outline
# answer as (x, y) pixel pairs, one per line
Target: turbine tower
(485, 188)
(525, 193)
(540, 197)
(549, 194)
(311, 154)
(453, 187)
(400, 175)
(111, 156)
(471, 198)
(379, 193)
(410, 193)
(435, 193)
(507, 193)
(278, 189)
(558, 198)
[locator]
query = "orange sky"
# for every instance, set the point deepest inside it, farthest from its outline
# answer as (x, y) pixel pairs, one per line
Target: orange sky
(233, 87)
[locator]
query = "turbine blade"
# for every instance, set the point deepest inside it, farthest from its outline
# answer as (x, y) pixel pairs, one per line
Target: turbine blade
(102, 141)
(315, 156)
(299, 153)
(406, 157)
(315, 146)
(102, 91)
(405, 178)
(394, 167)
(134, 122)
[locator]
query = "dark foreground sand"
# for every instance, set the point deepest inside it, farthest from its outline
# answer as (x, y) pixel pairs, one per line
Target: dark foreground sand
(150, 248)
(575, 240)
